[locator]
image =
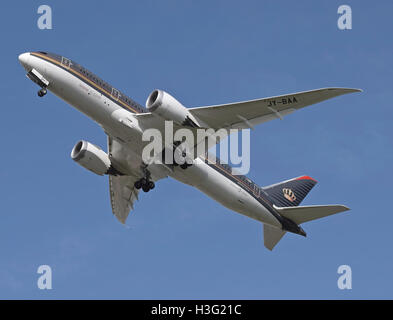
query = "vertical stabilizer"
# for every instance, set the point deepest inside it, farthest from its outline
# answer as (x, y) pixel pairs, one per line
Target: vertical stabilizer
(290, 193)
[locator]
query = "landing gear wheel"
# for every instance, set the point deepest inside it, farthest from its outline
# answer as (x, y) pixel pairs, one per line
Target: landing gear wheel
(143, 181)
(145, 184)
(42, 92)
(185, 165)
(145, 188)
(138, 184)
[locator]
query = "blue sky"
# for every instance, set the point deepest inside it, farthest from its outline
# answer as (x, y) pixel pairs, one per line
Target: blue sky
(179, 243)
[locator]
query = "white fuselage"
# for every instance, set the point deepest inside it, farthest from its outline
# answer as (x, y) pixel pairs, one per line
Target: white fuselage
(108, 114)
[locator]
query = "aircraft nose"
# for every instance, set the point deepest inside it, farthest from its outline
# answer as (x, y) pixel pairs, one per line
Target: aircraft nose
(24, 59)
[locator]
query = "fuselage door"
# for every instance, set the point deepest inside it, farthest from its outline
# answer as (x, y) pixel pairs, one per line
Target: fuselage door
(115, 94)
(66, 62)
(256, 190)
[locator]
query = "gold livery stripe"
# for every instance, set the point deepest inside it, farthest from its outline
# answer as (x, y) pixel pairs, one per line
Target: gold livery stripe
(82, 76)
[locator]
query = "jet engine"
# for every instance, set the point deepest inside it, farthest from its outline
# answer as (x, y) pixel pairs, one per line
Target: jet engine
(164, 105)
(91, 157)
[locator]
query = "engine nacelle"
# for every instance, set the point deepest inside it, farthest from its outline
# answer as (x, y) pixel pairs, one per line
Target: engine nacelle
(167, 107)
(91, 157)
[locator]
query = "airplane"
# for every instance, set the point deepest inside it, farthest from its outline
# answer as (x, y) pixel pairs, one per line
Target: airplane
(276, 206)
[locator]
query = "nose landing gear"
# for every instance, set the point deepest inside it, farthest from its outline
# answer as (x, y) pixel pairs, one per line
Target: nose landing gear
(42, 92)
(39, 79)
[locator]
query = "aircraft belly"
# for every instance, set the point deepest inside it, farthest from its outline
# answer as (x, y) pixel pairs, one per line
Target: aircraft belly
(224, 191)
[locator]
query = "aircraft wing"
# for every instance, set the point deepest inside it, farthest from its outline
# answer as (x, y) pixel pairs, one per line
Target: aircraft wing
(123, 194)
(247, 114)
(243, 115)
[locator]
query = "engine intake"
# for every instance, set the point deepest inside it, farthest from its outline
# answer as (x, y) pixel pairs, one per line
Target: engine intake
(164, 105)
(91, 157)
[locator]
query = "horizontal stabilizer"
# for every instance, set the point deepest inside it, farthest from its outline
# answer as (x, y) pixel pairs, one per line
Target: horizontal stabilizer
(272, 236)
(307, 213)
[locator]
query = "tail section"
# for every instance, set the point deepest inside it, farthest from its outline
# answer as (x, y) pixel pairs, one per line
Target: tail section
(290, 193)
(272, 235)
(307, 213)
(298, 215)
(286, 197)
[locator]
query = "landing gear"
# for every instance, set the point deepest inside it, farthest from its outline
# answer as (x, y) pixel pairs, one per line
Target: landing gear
(138, 184)
(145, 183)
(151, 185)
(42, 92)
(39, 79)
(185, 165)
(183, 156)
(148, 186)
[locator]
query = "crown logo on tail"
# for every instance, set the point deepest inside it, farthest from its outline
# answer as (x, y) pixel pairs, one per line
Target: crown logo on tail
(289, 194)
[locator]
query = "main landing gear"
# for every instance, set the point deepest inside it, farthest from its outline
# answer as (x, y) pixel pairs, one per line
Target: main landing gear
(145, 183)
(42, 92)
(184, 165)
